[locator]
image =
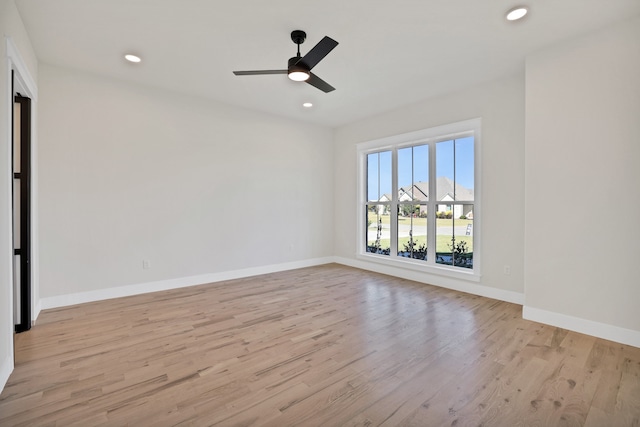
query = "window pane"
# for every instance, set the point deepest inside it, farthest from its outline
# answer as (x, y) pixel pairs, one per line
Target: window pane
(379, 176)
(444, 172)
(454, 236)
(378, 237)
(463, 245)
(421, 172)
(454, 170)
(464, 169)
(413, 173)
(373, 183)
(412, 231)
(444, 234)
(385, 175)
(405, 173)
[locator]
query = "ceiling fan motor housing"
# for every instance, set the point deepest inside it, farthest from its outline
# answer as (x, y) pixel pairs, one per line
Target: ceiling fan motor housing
(293, 61)
(298, 36)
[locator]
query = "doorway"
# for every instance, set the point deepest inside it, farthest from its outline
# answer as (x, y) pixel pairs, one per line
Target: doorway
(21, 153)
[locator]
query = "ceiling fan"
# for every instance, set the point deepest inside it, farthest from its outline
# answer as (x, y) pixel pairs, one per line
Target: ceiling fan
(299, 68)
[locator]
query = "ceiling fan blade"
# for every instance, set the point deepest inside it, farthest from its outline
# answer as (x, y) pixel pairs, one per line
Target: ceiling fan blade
(259, 72)
(317, 82)
(318, 52)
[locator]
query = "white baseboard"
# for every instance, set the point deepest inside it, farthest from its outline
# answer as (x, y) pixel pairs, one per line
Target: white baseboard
(588, 327)
(440, 281)
(36, 311)
(5, 371)
(163, 285)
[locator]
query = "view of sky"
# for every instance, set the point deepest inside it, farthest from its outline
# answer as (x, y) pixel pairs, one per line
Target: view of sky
(413, 166)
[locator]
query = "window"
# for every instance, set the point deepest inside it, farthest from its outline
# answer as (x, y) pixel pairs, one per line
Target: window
(420, 199)
(379, 196)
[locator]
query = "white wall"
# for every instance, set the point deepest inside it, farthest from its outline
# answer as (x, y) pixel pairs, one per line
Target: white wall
(10, 26)
(129, 173)
(582, 198)
(500, 105)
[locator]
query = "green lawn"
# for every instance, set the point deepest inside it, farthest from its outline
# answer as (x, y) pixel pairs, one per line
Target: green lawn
(418, 222)
(442, 241)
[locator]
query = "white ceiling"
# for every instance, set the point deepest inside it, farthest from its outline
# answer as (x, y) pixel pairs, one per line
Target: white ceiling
(391, 53)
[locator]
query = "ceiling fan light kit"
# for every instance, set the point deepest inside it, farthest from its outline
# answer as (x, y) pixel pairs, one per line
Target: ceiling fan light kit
(296, 72)
(299, 67)
(299, 76)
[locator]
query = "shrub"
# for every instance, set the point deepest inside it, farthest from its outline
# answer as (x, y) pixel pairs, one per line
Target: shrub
(414, 250)
(459, 251)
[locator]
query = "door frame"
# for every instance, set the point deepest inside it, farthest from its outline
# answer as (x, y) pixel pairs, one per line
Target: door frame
(24, 176)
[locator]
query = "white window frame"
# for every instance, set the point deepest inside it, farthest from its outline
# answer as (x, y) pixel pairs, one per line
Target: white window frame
(430, 136)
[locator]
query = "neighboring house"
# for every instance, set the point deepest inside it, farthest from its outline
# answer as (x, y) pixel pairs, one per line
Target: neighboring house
(445, 191)
(458, 210)
(384, 209)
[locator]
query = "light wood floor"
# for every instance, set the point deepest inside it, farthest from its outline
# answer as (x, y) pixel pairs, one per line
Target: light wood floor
(322, 346)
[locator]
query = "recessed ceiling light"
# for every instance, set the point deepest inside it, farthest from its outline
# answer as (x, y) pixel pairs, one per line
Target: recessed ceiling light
(132, 58)
(307, 105)
(517, 13)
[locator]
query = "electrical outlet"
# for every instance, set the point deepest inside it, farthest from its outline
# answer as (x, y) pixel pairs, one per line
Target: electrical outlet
(507, 270)
(146, 264)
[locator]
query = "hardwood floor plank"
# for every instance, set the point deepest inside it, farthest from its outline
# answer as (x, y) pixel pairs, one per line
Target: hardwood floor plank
(627, 409)
(327, 345)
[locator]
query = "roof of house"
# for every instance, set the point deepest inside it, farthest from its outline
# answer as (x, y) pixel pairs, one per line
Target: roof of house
(444, 185)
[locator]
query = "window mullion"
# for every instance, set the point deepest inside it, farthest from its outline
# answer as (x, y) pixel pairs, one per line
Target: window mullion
(393, 214)
(453, 206)
(431, 206)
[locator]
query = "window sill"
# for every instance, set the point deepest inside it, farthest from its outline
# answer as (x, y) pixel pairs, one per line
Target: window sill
(440, 270)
